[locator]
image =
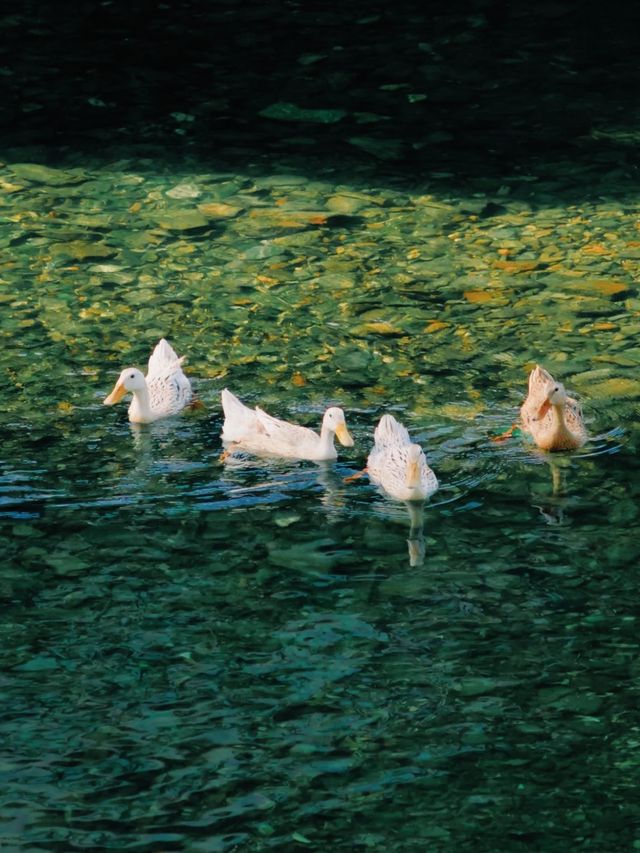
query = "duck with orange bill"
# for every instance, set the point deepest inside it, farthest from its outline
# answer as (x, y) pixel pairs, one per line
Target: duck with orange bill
(254, 431)
(163, 392)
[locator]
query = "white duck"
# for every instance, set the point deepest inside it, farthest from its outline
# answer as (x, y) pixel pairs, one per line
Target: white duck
(257, 432)
(553, 419)
(398, 465)
(165, 391)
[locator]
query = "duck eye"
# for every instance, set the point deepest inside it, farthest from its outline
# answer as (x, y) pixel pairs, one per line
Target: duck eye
(132, 376)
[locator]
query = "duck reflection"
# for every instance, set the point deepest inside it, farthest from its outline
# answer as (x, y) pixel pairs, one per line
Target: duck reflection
(415, 542)
(334, 492)
(141, 438)
(146, 438)
(395, 515)
(286, 475)
(552, 508)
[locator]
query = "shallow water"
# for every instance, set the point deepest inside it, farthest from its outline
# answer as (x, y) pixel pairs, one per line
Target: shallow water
(257, 654)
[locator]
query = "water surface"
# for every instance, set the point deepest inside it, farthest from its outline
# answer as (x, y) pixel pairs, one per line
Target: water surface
(258, 655)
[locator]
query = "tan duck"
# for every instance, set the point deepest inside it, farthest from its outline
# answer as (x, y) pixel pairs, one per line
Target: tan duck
(553, 419)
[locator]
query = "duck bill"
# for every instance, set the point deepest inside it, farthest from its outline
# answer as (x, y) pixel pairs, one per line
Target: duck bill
(116, 395)
(413, 475)
(544, 408)
(344, 436)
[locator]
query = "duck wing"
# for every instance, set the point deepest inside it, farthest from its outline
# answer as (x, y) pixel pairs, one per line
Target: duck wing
(169, 388)
(255, 429)
(239, 420)
(539, 382)
(574, 418)
(391, 432)
(283, 437)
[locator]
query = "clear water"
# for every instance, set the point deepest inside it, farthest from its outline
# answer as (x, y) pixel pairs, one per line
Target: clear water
(260, 655)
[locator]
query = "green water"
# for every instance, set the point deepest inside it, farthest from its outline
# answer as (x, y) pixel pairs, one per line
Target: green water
(380, 206)
(260, 656)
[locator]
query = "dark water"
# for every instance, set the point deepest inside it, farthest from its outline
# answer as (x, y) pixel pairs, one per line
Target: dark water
(252, 655)
(217, 658)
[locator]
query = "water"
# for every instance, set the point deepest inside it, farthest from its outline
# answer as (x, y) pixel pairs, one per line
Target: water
(262, 655)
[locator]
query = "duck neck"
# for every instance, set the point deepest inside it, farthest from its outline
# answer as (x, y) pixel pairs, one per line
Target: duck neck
(558, 414)
(140, 408)
(413, 474)
(560, 425)
(327, 447)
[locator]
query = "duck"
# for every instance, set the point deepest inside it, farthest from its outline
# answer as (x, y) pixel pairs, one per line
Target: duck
(163, 392)
(552, 418)
(255, 431)
(398, 465)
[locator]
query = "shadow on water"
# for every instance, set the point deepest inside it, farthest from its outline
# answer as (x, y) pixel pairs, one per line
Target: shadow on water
(407, 92)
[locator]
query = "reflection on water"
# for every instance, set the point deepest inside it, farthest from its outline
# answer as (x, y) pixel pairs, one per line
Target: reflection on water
(416, 543)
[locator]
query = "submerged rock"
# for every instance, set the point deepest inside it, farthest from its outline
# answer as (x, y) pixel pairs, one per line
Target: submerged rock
(184, 191)
(80, 250)
(39, 174)
(181, 220)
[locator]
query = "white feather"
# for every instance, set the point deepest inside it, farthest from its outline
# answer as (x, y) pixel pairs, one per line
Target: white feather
(164, 391)
(256, 431)
(392, 458)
